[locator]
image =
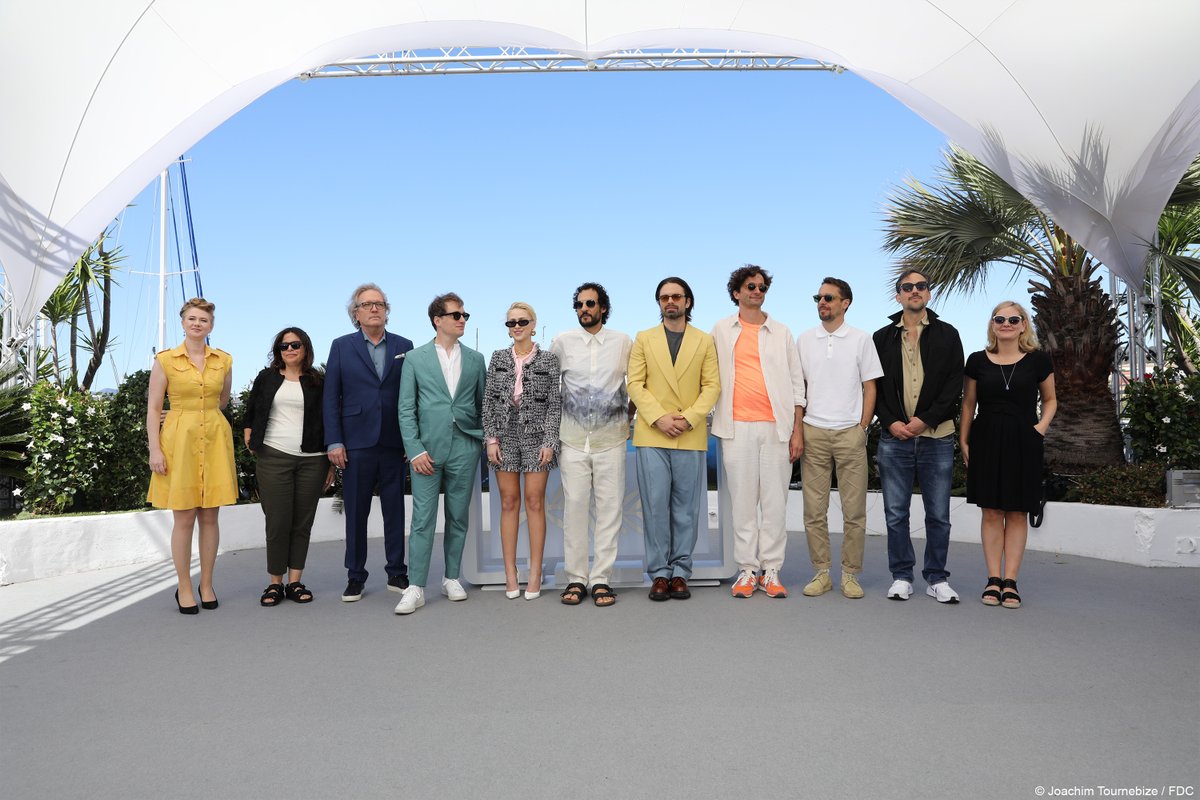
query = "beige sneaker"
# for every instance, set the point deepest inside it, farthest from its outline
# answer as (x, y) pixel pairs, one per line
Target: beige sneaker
(850, 587)
(819, 585)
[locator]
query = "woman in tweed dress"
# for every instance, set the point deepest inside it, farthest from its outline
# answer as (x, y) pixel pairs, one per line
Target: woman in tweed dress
(521, 411)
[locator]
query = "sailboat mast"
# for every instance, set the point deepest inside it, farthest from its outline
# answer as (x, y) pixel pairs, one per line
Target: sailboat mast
(162, 261)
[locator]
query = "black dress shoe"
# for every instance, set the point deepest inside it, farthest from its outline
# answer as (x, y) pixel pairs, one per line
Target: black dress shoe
(660, 589)
(398, 583)
(185, 609)
(679, 589)
(209, 604)
(353, 592)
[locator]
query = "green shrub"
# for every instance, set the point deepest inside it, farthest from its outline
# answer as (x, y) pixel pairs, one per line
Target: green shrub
(1164, 419)
(1141, 484)
(70, 436)
(124, 476)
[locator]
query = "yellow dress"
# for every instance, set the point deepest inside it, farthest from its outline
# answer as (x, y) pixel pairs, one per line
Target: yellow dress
(196, 438)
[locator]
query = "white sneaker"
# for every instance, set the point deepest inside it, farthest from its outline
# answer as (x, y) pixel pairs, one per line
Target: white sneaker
(412, 599)
(942, 592)
(901, 590)
(453, 589)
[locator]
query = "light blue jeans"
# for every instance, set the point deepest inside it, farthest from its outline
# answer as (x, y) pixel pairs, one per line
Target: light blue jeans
(670, 482)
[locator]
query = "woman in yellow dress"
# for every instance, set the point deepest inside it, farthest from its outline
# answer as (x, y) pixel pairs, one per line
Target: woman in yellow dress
(191, 456)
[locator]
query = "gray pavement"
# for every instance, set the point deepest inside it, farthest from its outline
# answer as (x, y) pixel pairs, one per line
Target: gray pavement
(107, 692)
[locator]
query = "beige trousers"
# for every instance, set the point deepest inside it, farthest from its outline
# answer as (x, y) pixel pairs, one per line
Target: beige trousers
(845, 451)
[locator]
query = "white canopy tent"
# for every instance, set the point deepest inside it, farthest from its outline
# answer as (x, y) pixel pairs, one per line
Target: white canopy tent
(1089, 107)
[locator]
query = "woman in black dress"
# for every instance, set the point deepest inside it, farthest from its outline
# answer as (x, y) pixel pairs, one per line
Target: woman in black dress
(1002, 445)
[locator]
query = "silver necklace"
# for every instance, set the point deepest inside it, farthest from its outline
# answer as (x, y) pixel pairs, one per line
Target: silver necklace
(1007, 378)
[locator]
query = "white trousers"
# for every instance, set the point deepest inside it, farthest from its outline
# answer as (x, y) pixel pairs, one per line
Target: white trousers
(757, 472)
(598, 476)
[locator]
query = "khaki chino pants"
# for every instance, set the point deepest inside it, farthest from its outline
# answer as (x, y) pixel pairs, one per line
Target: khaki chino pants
(845, 451)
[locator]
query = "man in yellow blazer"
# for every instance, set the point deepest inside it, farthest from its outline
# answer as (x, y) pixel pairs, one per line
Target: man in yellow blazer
(674, 382)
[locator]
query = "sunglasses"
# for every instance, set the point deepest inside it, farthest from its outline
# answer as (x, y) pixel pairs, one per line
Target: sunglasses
(757, 287)
(512, 323)
(373, 305)
(581, 303)
(456, 315)
(1009, 320)
(828, 298)
(920, 286)
(290, 346)
(670, 298)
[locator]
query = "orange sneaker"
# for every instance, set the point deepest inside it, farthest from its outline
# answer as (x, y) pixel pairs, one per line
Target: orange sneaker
(769, 583)
(745, 584)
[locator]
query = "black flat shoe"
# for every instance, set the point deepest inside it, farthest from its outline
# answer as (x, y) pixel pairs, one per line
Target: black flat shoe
(185, 609)
(209, 604)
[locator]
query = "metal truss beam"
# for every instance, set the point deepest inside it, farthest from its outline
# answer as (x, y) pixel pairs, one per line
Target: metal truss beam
(479, 61)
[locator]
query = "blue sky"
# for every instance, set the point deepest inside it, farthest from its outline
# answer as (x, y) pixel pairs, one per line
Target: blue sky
(520, 187)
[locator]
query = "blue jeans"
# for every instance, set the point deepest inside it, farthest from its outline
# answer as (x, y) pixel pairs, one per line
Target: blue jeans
(931, 461)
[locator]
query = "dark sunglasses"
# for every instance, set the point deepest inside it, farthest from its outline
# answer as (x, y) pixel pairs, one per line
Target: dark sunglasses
(828, 298)
(290, 346)
(757, 287)
(920, 286)
(512, 323)
(1009, 320)
(581, 303)
(457, 315)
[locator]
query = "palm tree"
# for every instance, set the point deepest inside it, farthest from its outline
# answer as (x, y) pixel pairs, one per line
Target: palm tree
(956, 232)
(1178, 248)
(72, 302)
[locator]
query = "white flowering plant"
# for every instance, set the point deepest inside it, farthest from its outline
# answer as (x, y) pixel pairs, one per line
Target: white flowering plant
(70, 437)
(1163, 413)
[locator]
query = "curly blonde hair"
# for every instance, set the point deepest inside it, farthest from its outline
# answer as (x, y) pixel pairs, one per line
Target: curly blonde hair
(201, 304)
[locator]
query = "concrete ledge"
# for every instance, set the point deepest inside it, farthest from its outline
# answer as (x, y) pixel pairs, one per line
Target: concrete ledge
(51, 546)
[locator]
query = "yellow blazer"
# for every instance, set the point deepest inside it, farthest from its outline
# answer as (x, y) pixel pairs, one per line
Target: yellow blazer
(690, 386)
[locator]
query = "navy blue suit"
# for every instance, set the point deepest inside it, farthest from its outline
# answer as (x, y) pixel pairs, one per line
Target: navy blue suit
(360, 414)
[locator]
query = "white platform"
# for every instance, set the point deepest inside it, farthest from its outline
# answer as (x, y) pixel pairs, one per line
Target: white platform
(46, 547)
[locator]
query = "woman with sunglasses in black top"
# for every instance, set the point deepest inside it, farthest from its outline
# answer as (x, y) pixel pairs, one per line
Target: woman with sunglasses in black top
(283, 429)
(521, 413)
(1002, 445)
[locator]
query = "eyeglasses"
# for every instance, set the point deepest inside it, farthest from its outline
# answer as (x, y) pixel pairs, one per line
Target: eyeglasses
(373, 305)
(670, 298)
(828, 298)
(581, 303)
(757, 287)
(1009, 320)
(920, 286)
(512, 323)
(290, 346)
(456, 315)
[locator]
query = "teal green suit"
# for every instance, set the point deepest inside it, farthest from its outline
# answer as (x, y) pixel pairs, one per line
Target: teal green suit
(450, 430)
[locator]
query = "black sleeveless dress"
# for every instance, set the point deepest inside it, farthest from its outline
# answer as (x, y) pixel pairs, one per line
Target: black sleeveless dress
(1006, 451)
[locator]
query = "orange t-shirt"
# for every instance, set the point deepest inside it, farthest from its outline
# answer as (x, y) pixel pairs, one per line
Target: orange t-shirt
(750, 400)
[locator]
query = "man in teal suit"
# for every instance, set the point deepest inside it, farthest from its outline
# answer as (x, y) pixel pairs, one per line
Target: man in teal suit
(441, 403)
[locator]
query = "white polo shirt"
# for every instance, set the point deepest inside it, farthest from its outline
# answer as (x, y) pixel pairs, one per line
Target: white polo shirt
(836, 365)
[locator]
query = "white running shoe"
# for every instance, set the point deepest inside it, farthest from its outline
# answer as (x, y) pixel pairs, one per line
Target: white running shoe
(453, 589)
(942, 592)
(412, 599)
(901, 590)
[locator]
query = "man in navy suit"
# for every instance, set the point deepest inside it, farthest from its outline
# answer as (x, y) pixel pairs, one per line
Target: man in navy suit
(362, 433)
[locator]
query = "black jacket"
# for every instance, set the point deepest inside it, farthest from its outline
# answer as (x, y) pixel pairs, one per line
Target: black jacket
(942, 361)
(258, 410)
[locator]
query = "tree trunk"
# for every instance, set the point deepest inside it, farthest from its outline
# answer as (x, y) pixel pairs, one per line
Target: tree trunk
(1077, 325)
(100, 337)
